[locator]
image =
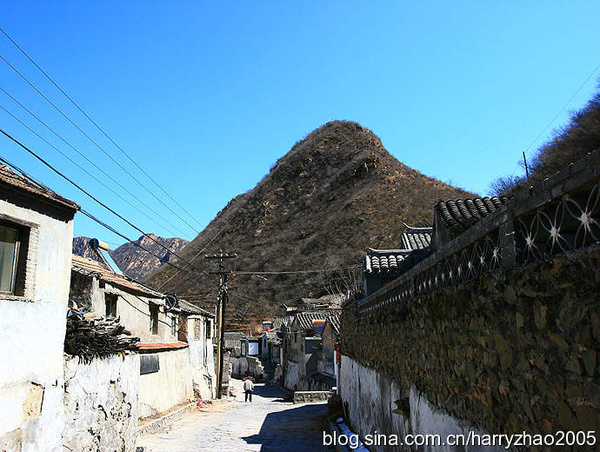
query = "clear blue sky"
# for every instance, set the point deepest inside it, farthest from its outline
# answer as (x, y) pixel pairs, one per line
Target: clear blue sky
(206, 96)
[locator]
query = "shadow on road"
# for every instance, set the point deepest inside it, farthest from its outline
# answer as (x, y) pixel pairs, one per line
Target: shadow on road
(295, 430)
(271, 392)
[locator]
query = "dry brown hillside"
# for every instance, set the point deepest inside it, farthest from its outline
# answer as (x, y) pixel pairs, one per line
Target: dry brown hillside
(333, 195)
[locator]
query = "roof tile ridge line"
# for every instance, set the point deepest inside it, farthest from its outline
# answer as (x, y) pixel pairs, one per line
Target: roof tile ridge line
(479, 230)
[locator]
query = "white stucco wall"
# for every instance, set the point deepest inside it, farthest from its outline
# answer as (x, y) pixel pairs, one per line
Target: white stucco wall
(369, 398)
(172, 385)
(101, 404)
(202, 365)
(32, 332)
(292, 376)
(134, 312)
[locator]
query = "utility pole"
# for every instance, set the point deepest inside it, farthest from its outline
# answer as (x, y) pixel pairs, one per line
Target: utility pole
(222, 298)
(526, 167)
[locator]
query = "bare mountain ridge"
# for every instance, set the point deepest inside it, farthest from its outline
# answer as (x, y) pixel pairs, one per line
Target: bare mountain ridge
(133, 260)
(333, 195)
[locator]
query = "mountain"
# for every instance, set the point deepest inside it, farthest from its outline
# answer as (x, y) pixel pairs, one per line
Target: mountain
(131, 259)
(336, 193)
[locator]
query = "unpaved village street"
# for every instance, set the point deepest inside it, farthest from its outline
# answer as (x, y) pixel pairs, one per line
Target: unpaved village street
(267, 424)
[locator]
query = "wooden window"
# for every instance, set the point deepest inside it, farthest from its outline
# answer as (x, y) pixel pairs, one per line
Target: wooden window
(173, 326)
(149, 364)
(14, 240)
(110, 300)
(153, 318)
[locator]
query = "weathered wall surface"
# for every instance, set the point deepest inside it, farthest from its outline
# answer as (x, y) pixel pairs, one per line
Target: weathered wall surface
(101, 404)
(203, 369)
(170, 386)
(247, 365)
(134, 311)
(32, 331)
(370, 398)
(512, 351)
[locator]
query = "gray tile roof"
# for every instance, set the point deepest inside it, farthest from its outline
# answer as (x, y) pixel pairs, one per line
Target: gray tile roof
(22, 182)
(190, 308)
(392, 262)
(90, 267)
(416, 238)
(461, 214)
(282, 321)
(384, 261)
(303, 321)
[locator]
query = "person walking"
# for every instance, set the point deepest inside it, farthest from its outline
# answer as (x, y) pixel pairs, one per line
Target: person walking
(248, 388)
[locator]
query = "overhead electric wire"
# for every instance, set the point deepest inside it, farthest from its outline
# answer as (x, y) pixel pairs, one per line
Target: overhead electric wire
(95, 124)
(99, 202)
(93, 141)
(293, 272)
(198, 253)
(93, 218)
(87, 159)
(86, 171)
(563, 107)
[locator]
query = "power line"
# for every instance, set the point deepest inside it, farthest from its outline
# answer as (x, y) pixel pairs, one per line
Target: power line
(86, 171)
(99, 202)
(95, 124)
(93, 141)
(293, 272)
(199, 252)
(563, 107)
(95, 219)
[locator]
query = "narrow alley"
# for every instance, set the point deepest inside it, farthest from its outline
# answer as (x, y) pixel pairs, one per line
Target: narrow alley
(269, 423)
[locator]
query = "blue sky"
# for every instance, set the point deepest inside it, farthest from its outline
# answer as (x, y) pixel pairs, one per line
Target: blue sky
(206, 96)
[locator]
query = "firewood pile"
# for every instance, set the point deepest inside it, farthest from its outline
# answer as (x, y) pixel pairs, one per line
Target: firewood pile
(96, 337)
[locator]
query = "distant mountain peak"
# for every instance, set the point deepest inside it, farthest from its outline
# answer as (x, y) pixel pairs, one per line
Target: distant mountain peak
(336, 193)
(133, 260)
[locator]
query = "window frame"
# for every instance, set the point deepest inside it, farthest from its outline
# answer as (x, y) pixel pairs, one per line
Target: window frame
(153, 318)
(19, 261)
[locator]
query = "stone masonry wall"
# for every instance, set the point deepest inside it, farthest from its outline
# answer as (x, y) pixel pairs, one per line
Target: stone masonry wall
(101, 404)
(515, 350)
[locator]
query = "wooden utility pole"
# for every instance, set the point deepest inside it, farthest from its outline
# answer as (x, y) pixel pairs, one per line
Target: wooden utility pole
(222, 298)
(526, 167)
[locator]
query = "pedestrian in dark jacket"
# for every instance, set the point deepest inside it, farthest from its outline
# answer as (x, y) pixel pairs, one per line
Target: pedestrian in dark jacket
(248, 388)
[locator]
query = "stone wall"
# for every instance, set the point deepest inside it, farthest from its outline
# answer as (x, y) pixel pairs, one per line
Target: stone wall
(514, 350)
(101, 404)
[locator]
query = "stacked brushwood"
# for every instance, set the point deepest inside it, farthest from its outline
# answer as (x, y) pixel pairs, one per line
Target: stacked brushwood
(96, 337)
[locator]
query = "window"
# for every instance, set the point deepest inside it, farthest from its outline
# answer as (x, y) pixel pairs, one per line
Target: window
(208, 327)
(173, 326)
(110, 300)
(153, 318)
(149, 364)
(13, 258)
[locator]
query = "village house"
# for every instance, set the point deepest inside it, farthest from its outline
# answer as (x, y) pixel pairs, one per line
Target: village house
(176, 351)
(383, 266)
(302, 347)
(328, 361)
(36, 230)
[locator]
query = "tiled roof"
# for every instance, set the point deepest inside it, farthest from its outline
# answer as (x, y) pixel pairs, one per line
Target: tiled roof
(280, 322)
(190, 308)
(89, 267)
(149, 347)
(9, 177)
(385, 261)
(304, 320)
(461, 214)
(393, 262)
(273, 338)
(416, 238)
